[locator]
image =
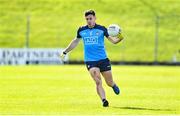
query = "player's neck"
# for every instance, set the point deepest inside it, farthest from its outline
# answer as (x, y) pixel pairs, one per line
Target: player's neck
(91, 26)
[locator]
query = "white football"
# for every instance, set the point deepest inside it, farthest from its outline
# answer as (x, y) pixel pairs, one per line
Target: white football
(114, 30)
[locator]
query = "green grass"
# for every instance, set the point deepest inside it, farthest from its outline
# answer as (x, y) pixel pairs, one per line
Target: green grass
(70, 90)
(54, 24)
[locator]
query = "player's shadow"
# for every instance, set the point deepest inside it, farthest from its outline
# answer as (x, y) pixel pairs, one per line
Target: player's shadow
(139, 108)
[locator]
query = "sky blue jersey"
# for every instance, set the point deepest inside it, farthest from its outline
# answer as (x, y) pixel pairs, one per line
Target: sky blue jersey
(93, 39)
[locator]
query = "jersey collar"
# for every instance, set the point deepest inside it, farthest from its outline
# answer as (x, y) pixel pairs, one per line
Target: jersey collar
(92, 27)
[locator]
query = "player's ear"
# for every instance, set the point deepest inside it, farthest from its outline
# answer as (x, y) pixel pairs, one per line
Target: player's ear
(95, 17)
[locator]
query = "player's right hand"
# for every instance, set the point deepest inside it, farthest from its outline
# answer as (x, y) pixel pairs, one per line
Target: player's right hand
(62, 55)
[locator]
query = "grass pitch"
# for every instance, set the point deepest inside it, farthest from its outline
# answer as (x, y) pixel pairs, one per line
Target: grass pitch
(70, 90)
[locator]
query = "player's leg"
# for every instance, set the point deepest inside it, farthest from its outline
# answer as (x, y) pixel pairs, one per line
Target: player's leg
(109, 81)
(95, 74)
(105, 69)
(108, 78)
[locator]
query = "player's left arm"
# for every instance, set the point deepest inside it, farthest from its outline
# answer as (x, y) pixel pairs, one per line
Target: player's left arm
(117, 39)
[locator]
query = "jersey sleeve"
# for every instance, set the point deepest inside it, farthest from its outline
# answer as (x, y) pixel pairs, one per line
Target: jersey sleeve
(106, 32)
(78, 31)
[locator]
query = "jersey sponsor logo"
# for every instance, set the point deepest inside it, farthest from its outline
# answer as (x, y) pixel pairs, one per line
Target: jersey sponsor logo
(91, 40)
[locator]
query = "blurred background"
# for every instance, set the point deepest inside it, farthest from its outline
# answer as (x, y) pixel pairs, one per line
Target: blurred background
(151, 27)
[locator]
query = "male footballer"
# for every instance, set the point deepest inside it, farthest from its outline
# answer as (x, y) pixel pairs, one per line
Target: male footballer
(95, 56)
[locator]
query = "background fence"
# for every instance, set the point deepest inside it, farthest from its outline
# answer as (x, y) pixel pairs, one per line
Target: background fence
(151, 33)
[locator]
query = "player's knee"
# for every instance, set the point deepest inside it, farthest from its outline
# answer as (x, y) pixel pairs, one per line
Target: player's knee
(98, 82)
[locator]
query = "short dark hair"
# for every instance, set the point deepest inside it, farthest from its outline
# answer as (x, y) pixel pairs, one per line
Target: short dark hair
(89, 12)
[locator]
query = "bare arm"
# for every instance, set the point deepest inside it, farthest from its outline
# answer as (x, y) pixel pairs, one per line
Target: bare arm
(115, 40)
(72, 45)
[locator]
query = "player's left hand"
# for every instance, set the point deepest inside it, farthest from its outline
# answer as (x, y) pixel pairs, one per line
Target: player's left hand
(120, 36)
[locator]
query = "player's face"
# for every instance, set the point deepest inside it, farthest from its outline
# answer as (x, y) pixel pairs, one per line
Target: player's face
(90, 19)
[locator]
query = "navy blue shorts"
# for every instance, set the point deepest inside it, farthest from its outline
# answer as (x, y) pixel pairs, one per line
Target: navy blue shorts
(103, 65)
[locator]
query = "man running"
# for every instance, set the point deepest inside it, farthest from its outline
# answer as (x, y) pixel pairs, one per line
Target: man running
(95, 56)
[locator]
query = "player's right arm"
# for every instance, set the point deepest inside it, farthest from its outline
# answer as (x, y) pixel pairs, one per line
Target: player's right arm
(72, 44)
(70, 47)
